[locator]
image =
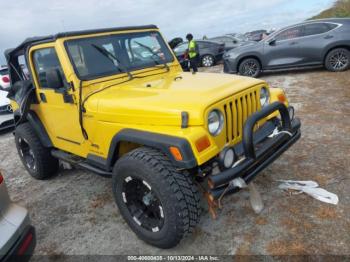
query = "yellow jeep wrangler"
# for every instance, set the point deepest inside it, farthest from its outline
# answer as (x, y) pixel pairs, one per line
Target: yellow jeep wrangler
(116, 102)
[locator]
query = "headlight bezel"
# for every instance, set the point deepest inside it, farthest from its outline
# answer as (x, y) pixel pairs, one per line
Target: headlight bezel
(221, 123)
(264, 90)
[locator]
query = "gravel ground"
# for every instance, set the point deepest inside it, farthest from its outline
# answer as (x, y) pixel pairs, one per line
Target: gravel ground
(74, 213)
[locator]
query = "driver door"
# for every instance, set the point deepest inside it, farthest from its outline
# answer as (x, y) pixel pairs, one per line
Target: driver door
(57, 109)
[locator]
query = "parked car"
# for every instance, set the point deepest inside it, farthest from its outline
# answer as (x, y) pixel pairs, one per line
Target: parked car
(230, 41)
(175, 42)
(6, 115)
(239, 35)
(312, 43)
(17, 235)
(210, 53)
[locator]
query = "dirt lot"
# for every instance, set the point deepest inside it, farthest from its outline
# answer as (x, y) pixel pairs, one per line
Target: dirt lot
(74, 213)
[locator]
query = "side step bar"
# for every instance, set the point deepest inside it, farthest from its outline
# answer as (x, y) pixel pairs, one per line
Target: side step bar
(79, 161)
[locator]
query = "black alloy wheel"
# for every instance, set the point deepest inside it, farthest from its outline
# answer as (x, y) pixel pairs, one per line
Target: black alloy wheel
(143, 204)
(27, 154)
(249, 67)
(338, 60)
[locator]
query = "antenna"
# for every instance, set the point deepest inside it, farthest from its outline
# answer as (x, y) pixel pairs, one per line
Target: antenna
(62, 23)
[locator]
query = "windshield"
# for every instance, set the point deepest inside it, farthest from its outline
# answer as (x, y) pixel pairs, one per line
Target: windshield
(107, 55)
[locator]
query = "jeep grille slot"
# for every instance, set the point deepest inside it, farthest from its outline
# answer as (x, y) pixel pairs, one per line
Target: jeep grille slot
(237, 110)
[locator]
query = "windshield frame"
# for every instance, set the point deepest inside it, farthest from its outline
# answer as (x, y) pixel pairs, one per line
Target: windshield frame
(114, 73)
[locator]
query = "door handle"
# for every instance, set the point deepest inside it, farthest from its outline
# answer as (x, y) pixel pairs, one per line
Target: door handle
(293, 43)
(328, 37)
(43, 97)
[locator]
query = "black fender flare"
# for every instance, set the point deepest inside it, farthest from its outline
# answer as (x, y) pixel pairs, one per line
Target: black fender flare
(39, 129)
(158, 141)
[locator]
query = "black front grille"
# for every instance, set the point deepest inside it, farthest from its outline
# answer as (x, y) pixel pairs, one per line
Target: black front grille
(6, 109)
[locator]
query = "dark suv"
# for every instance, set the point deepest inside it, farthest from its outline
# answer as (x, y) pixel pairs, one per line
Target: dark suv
(316, 42)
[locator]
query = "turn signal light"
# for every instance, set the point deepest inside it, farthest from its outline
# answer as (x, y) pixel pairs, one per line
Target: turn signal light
(282, 98)
(1, 179)
(176, 153)
(202, 143)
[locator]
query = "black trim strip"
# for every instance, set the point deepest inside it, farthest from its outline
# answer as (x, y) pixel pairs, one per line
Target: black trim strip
(67, 140)
(97, 161)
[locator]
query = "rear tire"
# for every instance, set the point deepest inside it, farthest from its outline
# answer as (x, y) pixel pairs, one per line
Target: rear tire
(160, 204)
(36, 158)
(250, 67)
(207, 60)
(338, 60)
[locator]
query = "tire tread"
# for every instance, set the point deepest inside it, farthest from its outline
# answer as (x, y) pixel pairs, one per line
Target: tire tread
(180, 184)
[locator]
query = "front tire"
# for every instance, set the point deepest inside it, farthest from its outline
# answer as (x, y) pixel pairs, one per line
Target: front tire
(338, 60)
(36, 158)
(208, 60)
(160, 204)
(249, 67)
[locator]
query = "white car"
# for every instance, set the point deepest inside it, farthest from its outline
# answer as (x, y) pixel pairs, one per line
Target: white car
(4, 77)
(17, 235)
(6, 116)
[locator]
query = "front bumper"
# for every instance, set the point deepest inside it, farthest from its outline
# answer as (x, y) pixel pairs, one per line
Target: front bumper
(17, 235)
(257, 148)
(24, 247)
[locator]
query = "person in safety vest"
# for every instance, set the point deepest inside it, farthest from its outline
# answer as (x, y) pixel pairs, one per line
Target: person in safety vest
(193, 53)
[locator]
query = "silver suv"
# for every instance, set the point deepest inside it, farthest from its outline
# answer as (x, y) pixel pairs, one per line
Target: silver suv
(17, 235)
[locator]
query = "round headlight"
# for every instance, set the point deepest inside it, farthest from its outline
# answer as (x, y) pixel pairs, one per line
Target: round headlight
(264, 97)
(215, 122)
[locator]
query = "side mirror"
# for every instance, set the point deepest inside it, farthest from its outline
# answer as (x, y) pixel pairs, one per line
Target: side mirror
(272, 41)
(54, 79)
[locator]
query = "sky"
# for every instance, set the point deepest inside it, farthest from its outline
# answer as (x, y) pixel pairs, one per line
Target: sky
(23, 18)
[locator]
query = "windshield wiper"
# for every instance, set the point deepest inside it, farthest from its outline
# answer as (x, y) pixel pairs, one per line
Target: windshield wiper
(155, 54)
(113, 58)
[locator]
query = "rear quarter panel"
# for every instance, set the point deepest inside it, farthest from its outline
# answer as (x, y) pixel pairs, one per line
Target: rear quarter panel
(342, 39)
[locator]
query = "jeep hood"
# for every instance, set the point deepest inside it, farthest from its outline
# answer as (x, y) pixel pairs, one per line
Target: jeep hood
(160, 101)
